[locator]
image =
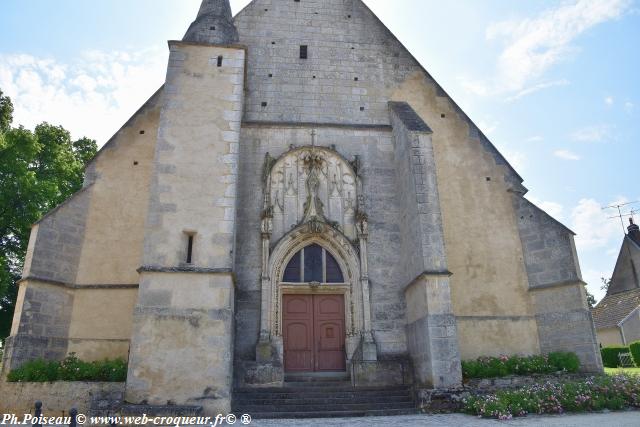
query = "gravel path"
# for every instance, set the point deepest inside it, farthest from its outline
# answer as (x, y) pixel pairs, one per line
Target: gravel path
(612, 419)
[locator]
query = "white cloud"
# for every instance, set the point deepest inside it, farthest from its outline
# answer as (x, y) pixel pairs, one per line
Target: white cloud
(595, 133)
(535, 44)
(535, 138)
(537, 88)
(628, 106)
(609, 101)
(477, 87)
(91, 96)
(566, 155)
(593, 225)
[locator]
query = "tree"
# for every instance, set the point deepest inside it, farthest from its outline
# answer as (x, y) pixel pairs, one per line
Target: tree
(605, 284)
(591, 300)
(6, 113)
(38, 170)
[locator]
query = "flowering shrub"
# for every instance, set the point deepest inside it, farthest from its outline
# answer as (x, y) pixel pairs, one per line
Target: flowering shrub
(595, 394)
(492, 367)
(70, 369)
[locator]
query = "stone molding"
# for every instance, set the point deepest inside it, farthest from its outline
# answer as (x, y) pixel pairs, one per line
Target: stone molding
(357, 126)
(77, 286)
(564, 283)
(428, 274)
(223, 45)
(184, 269)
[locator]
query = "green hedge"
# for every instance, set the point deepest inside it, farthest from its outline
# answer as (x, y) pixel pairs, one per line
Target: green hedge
(70, 369)
(634, 348)
(610, 355)
(595, 394)
(493, 367)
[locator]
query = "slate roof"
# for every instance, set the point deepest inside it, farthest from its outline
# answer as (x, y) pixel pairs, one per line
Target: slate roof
(614, 308)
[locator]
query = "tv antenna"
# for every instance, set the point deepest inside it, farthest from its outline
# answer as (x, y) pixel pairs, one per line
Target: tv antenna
(623, 215)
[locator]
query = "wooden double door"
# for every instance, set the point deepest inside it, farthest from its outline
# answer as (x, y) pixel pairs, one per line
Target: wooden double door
(314, 333)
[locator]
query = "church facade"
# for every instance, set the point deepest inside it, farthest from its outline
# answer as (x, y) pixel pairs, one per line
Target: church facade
(300, 197)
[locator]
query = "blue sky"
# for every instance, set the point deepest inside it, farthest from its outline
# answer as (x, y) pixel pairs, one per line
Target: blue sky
(554, 84)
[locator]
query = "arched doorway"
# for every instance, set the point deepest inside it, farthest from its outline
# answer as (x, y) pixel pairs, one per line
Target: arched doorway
(314, 257)
(313, 324)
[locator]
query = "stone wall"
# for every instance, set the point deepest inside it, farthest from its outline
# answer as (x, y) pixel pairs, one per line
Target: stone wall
(374, 146)
(563, 318)
(353, 61)
(57, 241)
(182, 341)
(182, 334)
(489, 286)
(431, 326)
(41, 323)
(59, 397)
(565, 324)
(549, 253)
(609, 336)
(93, 242)
(120, 177)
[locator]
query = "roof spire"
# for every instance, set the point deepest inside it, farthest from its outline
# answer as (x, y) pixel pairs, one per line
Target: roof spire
(214, 24)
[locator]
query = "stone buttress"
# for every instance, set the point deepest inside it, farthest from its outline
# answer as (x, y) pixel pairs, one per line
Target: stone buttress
(182, 342)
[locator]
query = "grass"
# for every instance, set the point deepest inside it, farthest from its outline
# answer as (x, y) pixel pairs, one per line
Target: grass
(615, 371)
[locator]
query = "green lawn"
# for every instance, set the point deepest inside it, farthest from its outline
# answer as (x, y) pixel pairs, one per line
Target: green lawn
(613, 371)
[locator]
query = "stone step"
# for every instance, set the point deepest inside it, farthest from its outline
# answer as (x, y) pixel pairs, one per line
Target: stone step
(311, 400)
(346, 407)
(317, 384)
(161, 411)
(328, 389)
(318, 377)
(404, 398)
(333, 414)
(319, 395)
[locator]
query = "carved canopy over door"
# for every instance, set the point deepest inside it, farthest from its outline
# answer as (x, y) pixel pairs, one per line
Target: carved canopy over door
(309, 183)
(313, 199)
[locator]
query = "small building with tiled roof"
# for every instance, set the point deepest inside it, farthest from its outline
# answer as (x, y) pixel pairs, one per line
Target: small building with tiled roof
(617, 316)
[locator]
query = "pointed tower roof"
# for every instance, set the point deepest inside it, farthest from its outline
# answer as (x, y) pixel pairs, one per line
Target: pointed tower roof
(214, 24)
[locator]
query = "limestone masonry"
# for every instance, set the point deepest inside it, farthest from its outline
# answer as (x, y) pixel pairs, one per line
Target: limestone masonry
(300, 197)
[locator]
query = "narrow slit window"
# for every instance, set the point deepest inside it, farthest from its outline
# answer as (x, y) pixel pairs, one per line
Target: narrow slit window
(304, 52)
(220, 59)
(189, 248)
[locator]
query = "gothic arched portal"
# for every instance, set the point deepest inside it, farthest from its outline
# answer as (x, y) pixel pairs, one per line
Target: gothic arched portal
(313, 210)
